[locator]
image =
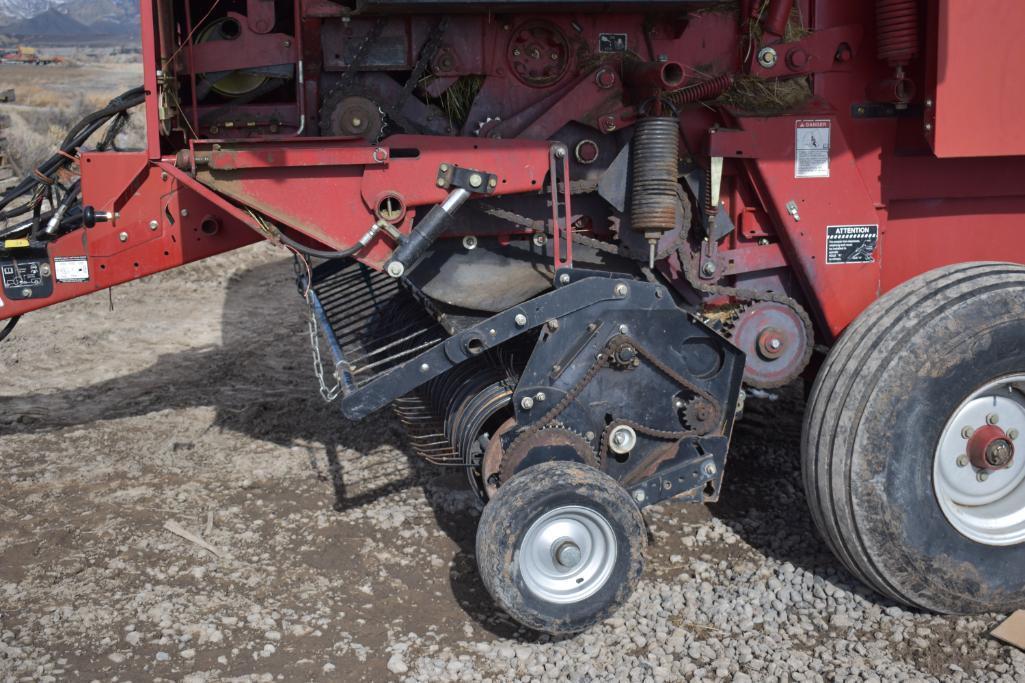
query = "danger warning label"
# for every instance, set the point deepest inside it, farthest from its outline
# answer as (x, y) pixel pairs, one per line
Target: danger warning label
(851, 243)
(812, 148)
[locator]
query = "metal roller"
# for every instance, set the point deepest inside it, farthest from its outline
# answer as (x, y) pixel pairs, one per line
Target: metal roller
(654, 201)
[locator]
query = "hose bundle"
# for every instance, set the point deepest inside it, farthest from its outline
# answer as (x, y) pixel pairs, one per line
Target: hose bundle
(65, 202)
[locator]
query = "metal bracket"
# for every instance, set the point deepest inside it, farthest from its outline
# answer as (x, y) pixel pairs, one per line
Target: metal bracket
(698, 463)
(451, 176)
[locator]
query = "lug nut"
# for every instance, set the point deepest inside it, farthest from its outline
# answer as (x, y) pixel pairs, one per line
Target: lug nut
(962, 460)
(982, 476)
(967, 432)
(992, 418)
(1012, 434)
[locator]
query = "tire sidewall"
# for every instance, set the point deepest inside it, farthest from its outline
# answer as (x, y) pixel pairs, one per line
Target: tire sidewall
(512, 517)
(904, 530)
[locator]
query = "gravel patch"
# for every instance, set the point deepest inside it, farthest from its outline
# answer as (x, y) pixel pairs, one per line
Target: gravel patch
(343, 557)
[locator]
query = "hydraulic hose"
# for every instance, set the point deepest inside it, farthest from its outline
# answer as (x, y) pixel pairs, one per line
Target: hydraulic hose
(9, 327)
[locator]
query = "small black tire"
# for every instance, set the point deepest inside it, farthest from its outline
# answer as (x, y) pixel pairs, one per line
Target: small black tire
(871, 446)
(516, 548)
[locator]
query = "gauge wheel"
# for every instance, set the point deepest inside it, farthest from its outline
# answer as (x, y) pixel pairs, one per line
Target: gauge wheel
(913, 451)
(560, 547)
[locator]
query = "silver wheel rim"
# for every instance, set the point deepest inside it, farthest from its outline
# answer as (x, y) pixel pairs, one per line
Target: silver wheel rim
(987, 506)
(568, 554)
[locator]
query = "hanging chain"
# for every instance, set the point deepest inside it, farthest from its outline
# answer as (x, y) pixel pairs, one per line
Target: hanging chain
(302, 272)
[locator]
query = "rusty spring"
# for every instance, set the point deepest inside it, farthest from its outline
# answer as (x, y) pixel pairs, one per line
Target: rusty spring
(701, 92)
(897, 29)
(654, 162)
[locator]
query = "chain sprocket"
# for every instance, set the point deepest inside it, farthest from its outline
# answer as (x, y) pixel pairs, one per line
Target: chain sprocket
(572, 444)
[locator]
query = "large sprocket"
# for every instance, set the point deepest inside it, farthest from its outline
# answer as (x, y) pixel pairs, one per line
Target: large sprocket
(553, 442)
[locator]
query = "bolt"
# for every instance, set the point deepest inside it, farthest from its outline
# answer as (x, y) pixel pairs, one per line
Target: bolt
(553, 325)
(425, 368)
(667, 485)
(123, 237)
(999, 453)
(928, 127)
(444, 168)
(493, 182)
(659, 292)
(568, 555)
(555, 56)
(516, 52)
(623, 329)
(27, 293)
(775, 344)
(1012, 434)
(356, 122)
(967, 432)
(469, 242)
(520, 320)
(962, 460)
(623, 439)
(153, 225)
(992, 418)
(396, 269)
(928, 104)
(540, 397)
(608, 123)
(527, 403)
(710, 469)
(441, 182)
(476, 180)
(540, 240)
(163, 176)
(639, 496)
(560, 152)
(767, 57)
(982, 476)
(564, 279)
(708, 270)
(185, 213)
(621, 290)
(44, 270)
(589, 436)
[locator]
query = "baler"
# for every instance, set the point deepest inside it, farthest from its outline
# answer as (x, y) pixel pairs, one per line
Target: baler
(564, 240)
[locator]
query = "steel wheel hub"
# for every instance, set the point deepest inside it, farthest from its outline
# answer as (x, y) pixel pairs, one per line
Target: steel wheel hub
(978, 479)
(568, 554)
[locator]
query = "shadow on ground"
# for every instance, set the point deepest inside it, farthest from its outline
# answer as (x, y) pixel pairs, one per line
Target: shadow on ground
(260, 383)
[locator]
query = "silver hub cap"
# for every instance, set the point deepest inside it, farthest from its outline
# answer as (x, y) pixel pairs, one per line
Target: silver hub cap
(986, 505)
(568, 554)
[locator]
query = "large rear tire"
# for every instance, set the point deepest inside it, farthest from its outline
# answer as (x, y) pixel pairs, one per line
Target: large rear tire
(889, 430)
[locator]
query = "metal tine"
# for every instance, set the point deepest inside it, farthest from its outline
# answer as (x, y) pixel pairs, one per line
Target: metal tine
(401, 354)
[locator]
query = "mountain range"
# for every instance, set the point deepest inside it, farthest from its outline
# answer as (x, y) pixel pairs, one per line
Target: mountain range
(68, 17)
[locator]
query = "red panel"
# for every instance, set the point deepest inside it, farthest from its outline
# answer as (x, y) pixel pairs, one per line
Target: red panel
(979, 73)
(134, 246)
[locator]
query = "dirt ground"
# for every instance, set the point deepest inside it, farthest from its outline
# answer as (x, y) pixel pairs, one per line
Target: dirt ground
(189, 397)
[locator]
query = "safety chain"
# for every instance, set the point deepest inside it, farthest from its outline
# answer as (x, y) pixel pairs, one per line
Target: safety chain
(329, 394)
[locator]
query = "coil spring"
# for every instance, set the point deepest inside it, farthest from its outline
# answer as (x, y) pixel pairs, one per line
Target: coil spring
(897, 31)
(654, 161)
(703, 91)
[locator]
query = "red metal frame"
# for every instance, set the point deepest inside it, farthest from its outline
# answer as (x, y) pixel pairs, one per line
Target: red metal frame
(883, 171)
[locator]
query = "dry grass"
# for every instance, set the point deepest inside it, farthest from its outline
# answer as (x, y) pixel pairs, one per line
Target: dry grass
(52, 99)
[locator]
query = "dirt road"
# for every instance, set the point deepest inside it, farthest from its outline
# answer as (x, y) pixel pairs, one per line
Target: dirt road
(192, 401)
